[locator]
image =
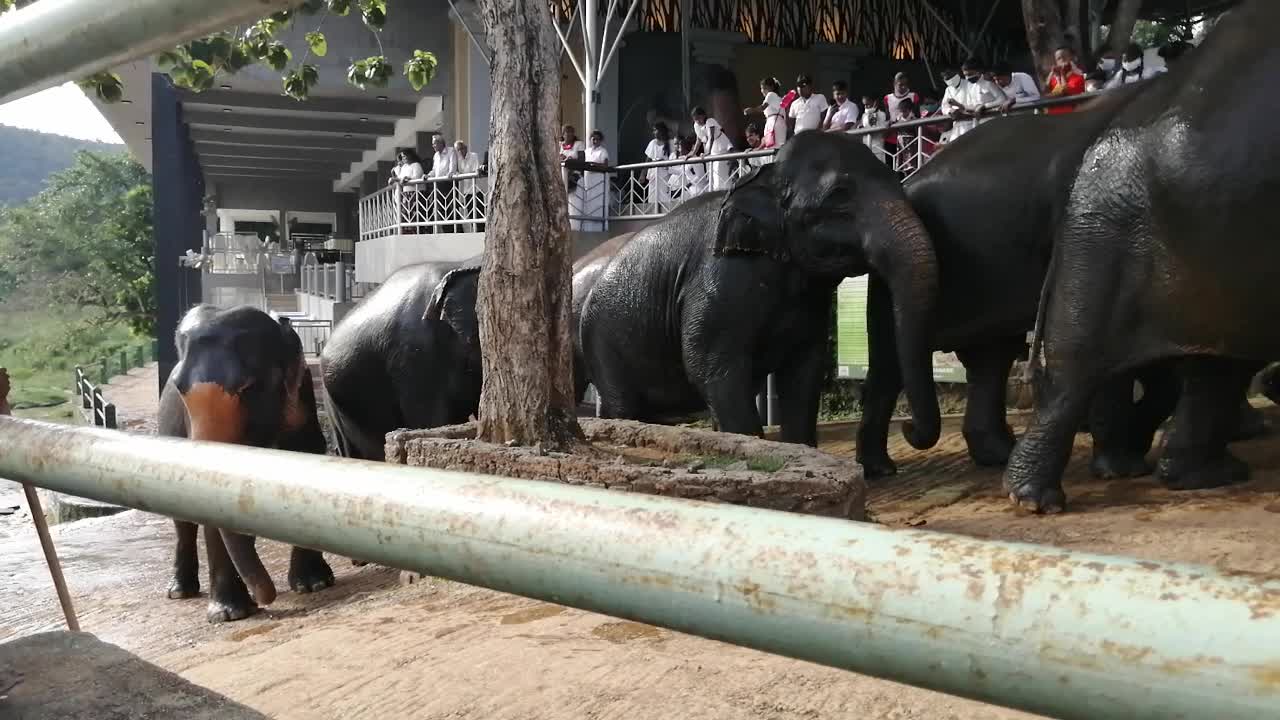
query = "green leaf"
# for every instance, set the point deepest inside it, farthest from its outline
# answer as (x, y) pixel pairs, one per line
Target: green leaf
(240, 58)
(295, 86)
(168, 59)
(282, 18)
(219, 51)
(340, 7)
(319, 45)
(420, 69)
(357, 73)
(278, 56)
(374, 13)
(311, 75)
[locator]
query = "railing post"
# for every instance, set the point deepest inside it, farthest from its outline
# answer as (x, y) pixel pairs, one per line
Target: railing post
(340, 291)
(771, 395)
(138, 357)
(324, 281)
(104, 371)
(124, 361)
(97, 407)
(109, 416)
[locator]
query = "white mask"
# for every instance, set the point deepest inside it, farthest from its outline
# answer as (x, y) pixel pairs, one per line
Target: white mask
(1132, 65)
(1108, 64)
(953, 81)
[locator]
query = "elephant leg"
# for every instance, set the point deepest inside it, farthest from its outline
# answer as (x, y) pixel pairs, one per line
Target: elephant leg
(1033, 477)
(882, 385)
(228, 597)
(800, 393)
(308, 572)
(1112, 422)
(986, 426)
(1160, 390)
(186, 562)
(1208, 414)
(1253, 424)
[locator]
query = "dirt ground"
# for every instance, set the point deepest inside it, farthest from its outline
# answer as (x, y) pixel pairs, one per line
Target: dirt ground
(369, 648)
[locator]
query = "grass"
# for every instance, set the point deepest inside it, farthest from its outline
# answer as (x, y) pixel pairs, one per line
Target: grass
(763, 463)
(41, 347)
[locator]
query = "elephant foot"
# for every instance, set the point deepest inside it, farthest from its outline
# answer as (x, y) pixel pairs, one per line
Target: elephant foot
(1180, 473)
(989, 449)
(877, 466)
(183, 588)
(230, 610)
(1253, 424)
(312, 575)
(1037, 492)
(1118, 464)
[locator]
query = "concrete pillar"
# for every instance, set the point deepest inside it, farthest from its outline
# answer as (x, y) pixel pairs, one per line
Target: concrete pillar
(369, 183)
(345, 210)
(835, 62)
(178, 188)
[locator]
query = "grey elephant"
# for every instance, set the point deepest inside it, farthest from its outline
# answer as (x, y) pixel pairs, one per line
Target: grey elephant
(408, 356)
(699, 307)
(241, 379)
(1165, 254)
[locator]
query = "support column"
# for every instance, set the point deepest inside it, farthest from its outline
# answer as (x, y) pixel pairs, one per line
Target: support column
(178, 223)
(591, 65)
(368, 183)
(345, 225)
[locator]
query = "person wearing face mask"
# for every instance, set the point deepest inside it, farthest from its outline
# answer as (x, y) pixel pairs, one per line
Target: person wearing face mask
(1133, 68)
(901, 91)
(1066, 80)
(1108, 65)
(971, 99)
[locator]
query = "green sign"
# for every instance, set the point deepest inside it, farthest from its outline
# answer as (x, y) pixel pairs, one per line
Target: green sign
(852, 355)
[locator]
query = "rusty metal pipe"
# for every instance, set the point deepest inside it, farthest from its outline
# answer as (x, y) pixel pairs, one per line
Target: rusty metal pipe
(51, 42)
(1059, 633)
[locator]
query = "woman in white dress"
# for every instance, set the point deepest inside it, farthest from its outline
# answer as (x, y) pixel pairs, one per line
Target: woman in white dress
(775, 122)
(712, 141)
(408, 207)
(595, 185)
(660, 148)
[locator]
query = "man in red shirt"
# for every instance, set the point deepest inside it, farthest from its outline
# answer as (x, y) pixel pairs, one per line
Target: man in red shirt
(1066, 79)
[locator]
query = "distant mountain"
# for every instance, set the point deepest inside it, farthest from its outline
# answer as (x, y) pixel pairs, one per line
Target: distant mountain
(28, 157)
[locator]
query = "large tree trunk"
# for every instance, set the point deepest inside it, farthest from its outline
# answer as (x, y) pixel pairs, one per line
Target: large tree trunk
(524, 302)
(1122, 24)
(1074, 31)
(1043, 19)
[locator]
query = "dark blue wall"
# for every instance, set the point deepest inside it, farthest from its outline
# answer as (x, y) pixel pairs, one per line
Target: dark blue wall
(178, 187)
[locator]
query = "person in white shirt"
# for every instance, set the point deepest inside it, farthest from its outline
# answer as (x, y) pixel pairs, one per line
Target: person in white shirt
(659, 149)
(1019, 87)
(691, 179)
(775, 122)
(595, 185)
(808, 107)
(712, 141)
(843, 115)
(1133, 68)
(408, 168)
(470, 201)
(443, 165)
(971, 99)
(873, 117)
(755, 141)
(571, 148)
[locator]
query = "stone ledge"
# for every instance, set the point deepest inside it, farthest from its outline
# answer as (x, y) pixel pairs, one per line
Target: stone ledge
(60, 508)
(807, 481)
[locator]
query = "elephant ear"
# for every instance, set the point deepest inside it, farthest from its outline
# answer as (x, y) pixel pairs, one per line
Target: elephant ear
(448, 293)
(750, 219)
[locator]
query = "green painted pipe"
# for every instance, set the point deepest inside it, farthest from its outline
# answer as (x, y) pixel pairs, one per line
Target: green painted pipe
(1060, 633)
(51, 42)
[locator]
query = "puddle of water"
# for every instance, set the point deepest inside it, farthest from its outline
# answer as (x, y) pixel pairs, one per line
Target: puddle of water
(621, 632)
(535, 613)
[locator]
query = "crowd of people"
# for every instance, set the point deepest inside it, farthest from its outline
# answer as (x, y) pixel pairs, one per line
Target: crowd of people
(457, 199)
(972, 94)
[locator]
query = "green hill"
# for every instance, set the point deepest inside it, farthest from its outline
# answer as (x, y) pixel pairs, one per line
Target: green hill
(27, 157)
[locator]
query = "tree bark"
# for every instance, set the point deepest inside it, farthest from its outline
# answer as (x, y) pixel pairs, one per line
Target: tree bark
(1122, 24)
(1043, 19)
(1074, 33)
(525, 285)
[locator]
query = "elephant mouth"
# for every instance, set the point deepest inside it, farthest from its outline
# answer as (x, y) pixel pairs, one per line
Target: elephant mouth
(216, 415)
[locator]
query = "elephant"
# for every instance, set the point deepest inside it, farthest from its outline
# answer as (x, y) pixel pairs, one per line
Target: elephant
(700, 306)
(989, 204)
(407, 356)
(586, 271)
(1163, 255)
(240, 378)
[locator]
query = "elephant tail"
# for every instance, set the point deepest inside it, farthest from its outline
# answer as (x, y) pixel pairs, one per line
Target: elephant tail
(1035, 360)
(435, 306)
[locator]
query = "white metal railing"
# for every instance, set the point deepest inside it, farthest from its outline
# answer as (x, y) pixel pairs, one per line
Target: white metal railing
(640, 191)
(452, 204)
(333, 281)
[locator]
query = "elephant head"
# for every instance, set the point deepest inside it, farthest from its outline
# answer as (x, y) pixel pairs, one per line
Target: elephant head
(830, 207)
(240, 375)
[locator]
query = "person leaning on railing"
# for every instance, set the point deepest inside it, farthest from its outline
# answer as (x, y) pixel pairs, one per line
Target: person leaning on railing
(407, 177)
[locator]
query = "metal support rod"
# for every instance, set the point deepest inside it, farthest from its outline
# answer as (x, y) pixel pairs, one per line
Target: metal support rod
(1056, 632)
(686, 83)
(484, 52)
(564, 41)
(945, 26)
(591, 59)
(51, 557)
(617, 40)
(51, 42)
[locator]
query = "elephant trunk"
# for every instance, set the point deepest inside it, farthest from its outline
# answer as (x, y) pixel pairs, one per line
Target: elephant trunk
(247, 563)
(900, 250)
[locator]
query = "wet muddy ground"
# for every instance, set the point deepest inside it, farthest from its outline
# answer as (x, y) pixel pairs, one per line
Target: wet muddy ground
(370, 648)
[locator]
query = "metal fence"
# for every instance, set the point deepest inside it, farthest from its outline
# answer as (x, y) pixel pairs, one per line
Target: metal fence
(93, 405)
(313, 334)
(641, 191)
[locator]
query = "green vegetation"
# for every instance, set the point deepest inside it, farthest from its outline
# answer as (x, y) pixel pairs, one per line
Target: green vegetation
(30, 157)
(764, 463)
(76, 273)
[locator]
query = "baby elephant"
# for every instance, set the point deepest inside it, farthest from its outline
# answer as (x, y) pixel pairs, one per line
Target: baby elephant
(241, 379)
